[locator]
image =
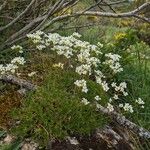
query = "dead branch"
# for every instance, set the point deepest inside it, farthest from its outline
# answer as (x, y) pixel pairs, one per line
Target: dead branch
(12, 39)
(94, 5)
(17, 81)
(114, 3)
(21, 34)
(50, 11)
(103, 14)
(17, 18)
(130, 14)
(110, 6)
(3, 5)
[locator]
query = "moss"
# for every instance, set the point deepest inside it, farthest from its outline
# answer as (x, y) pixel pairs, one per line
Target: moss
(55, 110)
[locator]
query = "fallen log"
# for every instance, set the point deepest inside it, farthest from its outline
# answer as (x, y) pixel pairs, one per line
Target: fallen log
(122, 121)
(18, 81)
(113, 139)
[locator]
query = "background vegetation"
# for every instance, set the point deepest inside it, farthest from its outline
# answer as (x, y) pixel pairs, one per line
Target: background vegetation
(54, 111)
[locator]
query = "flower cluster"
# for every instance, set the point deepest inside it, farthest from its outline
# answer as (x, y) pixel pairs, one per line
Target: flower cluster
(121, 88)
(113, 62)
(127, 107)
(110, 107)
(85, 62)
(140, 102)
(11, 67)
(85, 101)
(97, 98)
(82, 84)
(18, 60)
(18, 48)
(36, 37)
(84, 69)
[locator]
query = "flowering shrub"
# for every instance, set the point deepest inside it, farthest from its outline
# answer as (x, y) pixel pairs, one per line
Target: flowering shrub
(11, 67)
(78, 78)
(88, 61)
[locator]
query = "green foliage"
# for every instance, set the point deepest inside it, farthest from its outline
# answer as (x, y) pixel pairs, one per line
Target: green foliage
(136, 61)
(137, 74)
(16, 145)
(124, 39)
(55, 110)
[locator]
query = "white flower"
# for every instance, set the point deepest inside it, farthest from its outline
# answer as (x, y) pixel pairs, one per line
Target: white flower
(120, 105)
(116, 96)
(140, 101)
(82, 84)
(97, 98)
(11, 67)
(83, 69)
(32, 74)
(39, 32)
(16, 47)
(125, 93)
(105, 86)
(73, 140)
(35, 37)
(113, 84)
(121, 88)
(93, 61)
(98, 106)
(113, 62)
(2, 69)
(40, 47)
(114, 57)
(123, 85)
(84, 89)
(110, 107)
(99, 74)
(85, 101)
(100, 44)
(59, 65)
(75, 34)
(83, 55)
(128, 107)
(18, 60)
(20, 51)
(110, 100)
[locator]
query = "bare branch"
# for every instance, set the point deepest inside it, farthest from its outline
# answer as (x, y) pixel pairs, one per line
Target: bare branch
(115, 3)
(3, 5)
(103, 14)
(25, 29)
(109, 6)
(118, 15)
(141, 8)
(131, 14)
(94, 5)
(17, 18)
(55, 7)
